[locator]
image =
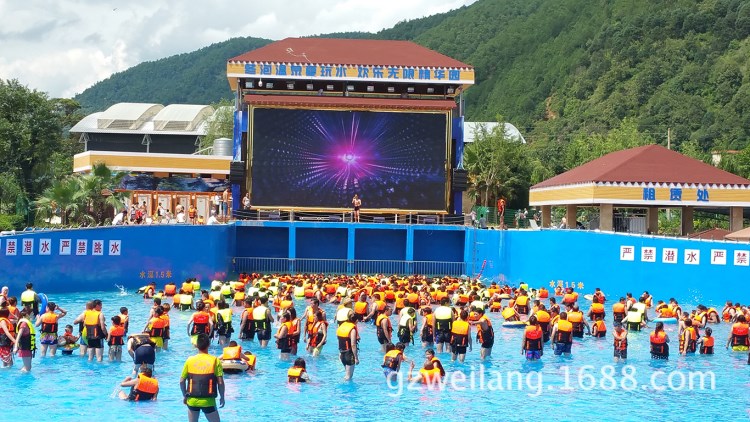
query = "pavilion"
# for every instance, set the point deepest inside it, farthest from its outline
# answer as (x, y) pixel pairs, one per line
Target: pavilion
(649, 177)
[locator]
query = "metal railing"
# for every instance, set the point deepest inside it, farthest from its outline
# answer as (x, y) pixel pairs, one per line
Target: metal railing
(343, 266)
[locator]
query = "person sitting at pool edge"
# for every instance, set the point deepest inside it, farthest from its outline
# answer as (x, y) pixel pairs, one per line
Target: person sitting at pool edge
(142, 388)
(298, 373)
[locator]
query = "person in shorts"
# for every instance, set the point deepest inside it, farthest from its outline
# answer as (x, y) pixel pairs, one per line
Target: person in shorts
(202, 380)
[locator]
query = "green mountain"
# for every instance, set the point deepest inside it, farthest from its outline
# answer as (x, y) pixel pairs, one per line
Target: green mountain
(555, 68)
(199, 77)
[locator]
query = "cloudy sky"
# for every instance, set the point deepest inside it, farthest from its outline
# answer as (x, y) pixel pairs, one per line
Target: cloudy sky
(62, 47)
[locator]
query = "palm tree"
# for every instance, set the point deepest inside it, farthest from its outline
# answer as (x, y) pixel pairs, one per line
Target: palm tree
(98, 189)
(63, 196)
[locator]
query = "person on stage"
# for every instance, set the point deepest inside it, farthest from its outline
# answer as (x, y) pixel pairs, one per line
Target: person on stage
(356, 203)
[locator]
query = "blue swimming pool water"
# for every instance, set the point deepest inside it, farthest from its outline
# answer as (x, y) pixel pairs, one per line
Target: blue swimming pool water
(69, 388)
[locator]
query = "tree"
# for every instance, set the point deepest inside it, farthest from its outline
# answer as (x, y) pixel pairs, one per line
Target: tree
(84, 198)
(29, 132)
(498, 166)
(220, 125)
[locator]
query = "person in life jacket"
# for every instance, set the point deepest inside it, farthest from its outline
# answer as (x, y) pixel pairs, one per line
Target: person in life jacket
(318, 334)
(202, 380)
(485, 334)
(200, 322)
(430, 374)
(7, 338)
(125, 319)
(510, 314)
(392, 360)
(298, 373)
(223, 324)
(728, 313)
(461, 337)
(637, 316)
(233, 351)
(443, 323)
(170, 289)
(142, 350)
(688, 338)
(675, 308)
(115, 339)
(96, 330)
(579, 322)
(738, 336)
(155, 328)
(570, 297)
(701, 317)
(429, 356)
(522, 303)
(282, 336)
(262, 319)
(647, 299)
(30, 300)
(407, 326)
(309, 315)
(659, 342)
(384, 328)
(599, 328)
(143, 388)
(25, 339)
(562, 335)
(532, 344)
(619, 310)
(348, 339)
(596, 310)
(706, 343)
(544, 318)
(361, 308)
(426, 332)
(48, 327)
(620, 335)
(247, 326)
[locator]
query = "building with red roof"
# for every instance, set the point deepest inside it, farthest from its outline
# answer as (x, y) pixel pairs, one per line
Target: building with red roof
(648, 177)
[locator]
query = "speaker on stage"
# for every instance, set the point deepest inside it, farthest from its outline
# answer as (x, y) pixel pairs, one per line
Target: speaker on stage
(237, 172)
(460, 179)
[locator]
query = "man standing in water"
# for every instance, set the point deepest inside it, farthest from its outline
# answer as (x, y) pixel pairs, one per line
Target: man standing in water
(348, 353)
(202, 378)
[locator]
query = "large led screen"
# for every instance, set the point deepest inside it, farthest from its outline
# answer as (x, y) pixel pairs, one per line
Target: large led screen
(321, 158)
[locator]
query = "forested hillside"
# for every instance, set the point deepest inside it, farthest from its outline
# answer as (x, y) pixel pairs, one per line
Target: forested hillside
(199, 77)
(555, 68)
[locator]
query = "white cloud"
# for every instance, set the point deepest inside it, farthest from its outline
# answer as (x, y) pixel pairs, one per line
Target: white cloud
(64, 47)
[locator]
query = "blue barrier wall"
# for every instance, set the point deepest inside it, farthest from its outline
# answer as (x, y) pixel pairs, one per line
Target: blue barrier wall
(322, 243)
(693, 271)
(129, 256)
(262, 242)
(383, 243)
(617, 263)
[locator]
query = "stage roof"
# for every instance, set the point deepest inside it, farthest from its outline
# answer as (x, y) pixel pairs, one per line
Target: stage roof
(331, 60)
(349, 52)
(349, 102)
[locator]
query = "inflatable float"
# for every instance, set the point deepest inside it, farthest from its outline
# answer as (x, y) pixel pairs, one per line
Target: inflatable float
(588, 297)
(43, 304)
(669, 320)
(514, 324)
(235, 366)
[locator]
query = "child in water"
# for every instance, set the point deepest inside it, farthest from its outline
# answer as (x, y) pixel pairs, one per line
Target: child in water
(706, 343)
(298, 372)
(68, 342)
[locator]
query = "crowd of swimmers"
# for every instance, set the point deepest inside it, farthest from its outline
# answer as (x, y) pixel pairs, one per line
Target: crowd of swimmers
(440, 313)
